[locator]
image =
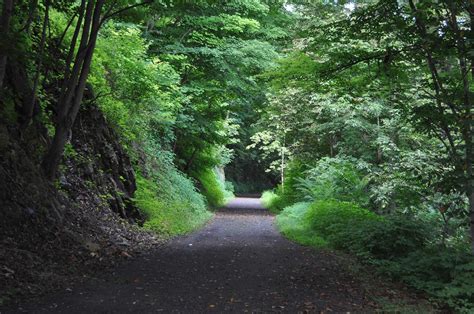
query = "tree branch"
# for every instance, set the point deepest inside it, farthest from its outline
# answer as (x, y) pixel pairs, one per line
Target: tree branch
(119, 11)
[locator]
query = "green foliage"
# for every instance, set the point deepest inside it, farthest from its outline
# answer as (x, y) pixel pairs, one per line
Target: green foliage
(365, 108)
(334, 178)
(329, 217)
(213, 188)
(271, 201)
(219, 49)
(386, 237)
(175, 210)
(288, 193)
(7, 110)
(139, 94)
(444, 273)
(293, 224)
(249, 187)
(400, 246)
(329, 179)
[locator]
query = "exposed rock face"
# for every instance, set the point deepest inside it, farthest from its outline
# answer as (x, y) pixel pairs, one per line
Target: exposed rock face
(101, 160)
(51, 232)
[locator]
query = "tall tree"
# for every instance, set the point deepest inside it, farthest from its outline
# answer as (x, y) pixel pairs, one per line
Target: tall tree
(91, 16)
(5, 18)
(417, 55)
(219, 49)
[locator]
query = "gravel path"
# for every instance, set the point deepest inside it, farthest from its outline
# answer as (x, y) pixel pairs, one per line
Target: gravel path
(238, 262)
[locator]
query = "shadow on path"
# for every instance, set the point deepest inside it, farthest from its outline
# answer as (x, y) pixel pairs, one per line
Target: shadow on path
(238, 262)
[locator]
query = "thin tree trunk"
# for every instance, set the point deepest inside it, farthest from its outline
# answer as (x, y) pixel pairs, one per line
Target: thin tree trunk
(7, 12)
(67, 92)
(71, 98)
(66, 29)
(470, 178)
(283, 164)
(469, 148)
(72, 89)
(32, 10)
(29, 103)
(379, 148)
(468, 120)
(190, 161)
(72, 47)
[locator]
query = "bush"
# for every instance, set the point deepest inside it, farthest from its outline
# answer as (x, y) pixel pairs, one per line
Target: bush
(272, 201)
(334, 178)
(292, 225)
(447, 274)
(360, 231)
(331, 179)
(458, 293)
(402, 246)
(250, 187)
(330, 217)
(287, 194)
(168, 211)
(387, 237)
(213, 188)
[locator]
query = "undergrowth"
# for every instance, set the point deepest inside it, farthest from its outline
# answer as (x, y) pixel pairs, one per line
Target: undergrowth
(178, 209)
(215, 190)
(292, 224)
(400, 247)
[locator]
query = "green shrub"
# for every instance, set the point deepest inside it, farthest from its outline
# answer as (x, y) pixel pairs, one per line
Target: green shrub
(334, 178)
(292, 225)
(330, 216)
(213, 188)
(168, 212)
(352, 228)
(272, 201)
(386, 237)
(229, 187)
(249, 187)
(289, 192)
(402, 246)
(458, 293)
(447, 274)
(331, 179)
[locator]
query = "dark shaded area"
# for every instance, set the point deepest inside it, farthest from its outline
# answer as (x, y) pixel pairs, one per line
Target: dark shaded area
(238, 262)
(247, 172)
(54, 232)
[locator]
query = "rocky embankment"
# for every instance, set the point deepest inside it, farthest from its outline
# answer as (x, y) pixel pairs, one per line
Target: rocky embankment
(85, 221)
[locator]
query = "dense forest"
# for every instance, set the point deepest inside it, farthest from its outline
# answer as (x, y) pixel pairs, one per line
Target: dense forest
(126, 122)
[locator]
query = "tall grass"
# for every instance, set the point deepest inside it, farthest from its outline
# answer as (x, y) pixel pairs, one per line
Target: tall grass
(213, 188)
(168, 211)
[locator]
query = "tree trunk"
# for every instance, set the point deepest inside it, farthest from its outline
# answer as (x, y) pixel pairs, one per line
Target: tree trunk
(29, 103)
(467, 101)
(72, 47)
(72, 89)
(33, 5)
(53, 157)
(7, 12)
(466, 116)
(469, 148)
(283, 163)
(470, 183)
(71, 98)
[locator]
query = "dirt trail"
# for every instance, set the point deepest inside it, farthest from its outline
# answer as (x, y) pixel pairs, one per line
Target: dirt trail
(238, 262)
